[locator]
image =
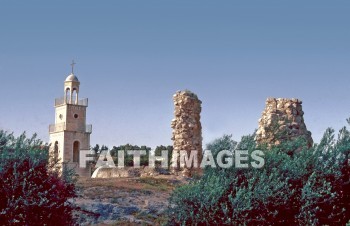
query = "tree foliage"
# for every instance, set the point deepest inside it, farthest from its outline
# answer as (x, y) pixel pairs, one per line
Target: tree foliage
(169, 148)
(31, 190)
(310, 186)
(129, 159)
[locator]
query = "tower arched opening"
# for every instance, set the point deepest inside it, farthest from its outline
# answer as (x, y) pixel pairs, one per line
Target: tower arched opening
(76, 150)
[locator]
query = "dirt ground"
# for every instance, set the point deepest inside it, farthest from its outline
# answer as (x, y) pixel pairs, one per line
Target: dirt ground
(125, 201)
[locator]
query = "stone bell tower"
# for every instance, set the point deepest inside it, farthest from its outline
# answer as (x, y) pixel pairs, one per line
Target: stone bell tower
(70, 134)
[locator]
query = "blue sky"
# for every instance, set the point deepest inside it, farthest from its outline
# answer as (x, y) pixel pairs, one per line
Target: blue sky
(132, 56)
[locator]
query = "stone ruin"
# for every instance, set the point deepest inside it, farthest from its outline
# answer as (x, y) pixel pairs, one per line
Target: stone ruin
(187, 128)
(282, 120)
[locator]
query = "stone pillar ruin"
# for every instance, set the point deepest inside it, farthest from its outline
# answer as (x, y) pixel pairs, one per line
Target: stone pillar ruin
(282, 120)
(187, 129)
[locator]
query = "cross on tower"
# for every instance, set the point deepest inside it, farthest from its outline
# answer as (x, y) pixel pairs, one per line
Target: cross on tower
(72, 64)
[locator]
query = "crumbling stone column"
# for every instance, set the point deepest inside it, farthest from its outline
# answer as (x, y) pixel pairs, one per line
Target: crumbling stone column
(187, 129)
(282, 120)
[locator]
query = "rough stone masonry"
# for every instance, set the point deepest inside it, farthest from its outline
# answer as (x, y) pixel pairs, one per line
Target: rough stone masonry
(282, 120)
(187, 128)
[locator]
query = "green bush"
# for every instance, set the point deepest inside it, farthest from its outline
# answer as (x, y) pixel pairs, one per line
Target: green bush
(304, 187)
(31, 190)
(169, 148)
(129, 159)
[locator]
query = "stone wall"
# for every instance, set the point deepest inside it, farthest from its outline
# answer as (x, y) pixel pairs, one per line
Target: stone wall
(187, 129)
(114, 172)
(282, 120)
(131, 172)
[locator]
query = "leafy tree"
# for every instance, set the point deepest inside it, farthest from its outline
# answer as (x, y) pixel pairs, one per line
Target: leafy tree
(96, 149)
(159, 149)
(129, 159)
(104, 148)
(309, 186)
(31, 190)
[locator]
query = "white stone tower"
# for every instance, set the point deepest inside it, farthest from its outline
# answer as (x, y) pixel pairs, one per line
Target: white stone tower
(70, 134)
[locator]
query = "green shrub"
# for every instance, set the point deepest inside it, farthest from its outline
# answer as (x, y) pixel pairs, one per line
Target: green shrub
(129, 159)
(31, 190)
(304, 187)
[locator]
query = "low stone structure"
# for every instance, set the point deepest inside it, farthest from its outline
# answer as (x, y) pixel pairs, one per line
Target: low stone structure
(187, 129)
(282, 120)
(112, 172)
(128, 172)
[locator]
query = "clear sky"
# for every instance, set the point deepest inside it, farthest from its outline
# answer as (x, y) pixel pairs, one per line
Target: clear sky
(132, 56)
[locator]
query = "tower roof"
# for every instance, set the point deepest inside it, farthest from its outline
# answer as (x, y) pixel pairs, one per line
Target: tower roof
(72, 78)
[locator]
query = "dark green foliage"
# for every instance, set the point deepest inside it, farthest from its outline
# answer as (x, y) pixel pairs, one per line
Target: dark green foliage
(223, 143)
(31, 191)
(129, 159)
(304, 187)
(169, 148)
(96, 149)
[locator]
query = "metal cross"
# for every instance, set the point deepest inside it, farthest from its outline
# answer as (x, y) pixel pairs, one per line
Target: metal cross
(72, 64)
